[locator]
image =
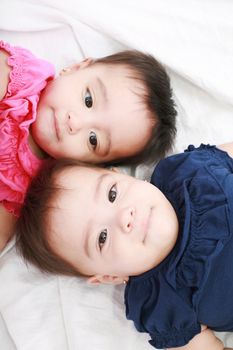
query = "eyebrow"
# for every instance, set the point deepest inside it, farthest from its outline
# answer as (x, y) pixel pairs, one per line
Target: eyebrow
(102, 88)
(88, 231)
(86, 240)
(99, 183)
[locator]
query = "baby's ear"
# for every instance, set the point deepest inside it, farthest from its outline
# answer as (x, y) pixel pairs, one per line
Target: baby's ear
(106, 279)
(83, 64)
(115, 169)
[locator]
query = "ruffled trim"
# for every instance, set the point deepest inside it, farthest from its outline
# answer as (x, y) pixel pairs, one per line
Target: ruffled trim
(25, 70)
(15, 76)
(174, 338)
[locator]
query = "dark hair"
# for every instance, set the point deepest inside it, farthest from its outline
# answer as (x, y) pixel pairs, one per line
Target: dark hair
(158, 100)
(32, 240)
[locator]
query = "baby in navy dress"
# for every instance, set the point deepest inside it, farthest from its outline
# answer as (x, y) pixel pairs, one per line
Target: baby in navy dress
(170, 241)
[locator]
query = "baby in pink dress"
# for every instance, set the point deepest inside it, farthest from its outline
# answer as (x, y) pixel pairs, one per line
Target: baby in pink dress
(105, 110)
(18, 164)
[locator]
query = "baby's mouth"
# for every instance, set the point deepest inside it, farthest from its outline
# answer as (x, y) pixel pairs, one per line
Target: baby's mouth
(147, 225)
(57, 129)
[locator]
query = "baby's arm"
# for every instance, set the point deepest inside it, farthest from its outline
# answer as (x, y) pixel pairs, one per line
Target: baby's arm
(227, 147)
(206, 340)
(7, 222)
(4, 73)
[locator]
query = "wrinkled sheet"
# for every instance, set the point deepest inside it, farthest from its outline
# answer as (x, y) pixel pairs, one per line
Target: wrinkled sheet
(193, 39)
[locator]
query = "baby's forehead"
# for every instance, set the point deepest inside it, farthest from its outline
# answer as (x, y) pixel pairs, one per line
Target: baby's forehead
(121, 70)
(75, 190)
(76, 176)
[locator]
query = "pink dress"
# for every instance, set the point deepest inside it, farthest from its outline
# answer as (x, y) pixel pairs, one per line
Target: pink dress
(18, 165)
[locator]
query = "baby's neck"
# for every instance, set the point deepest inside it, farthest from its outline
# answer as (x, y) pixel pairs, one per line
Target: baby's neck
(36, 150)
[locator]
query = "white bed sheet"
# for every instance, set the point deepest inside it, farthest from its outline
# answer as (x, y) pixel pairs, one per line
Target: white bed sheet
(194, 40)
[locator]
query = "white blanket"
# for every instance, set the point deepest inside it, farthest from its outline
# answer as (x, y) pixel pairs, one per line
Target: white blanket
(193, 39)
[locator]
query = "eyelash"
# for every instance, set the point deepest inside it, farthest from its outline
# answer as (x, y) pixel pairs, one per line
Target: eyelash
(104, 234)
(113, 190)
(88, 99)
(93, 140)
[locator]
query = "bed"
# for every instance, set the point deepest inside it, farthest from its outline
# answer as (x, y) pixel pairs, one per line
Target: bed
(193, 39)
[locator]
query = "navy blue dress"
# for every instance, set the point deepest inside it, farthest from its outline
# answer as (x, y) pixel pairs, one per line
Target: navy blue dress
(194, 284)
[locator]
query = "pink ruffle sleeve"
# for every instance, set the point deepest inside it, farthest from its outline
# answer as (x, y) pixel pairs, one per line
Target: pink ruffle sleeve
(18, 165)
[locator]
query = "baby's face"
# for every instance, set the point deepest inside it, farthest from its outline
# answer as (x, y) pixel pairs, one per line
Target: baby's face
(107, 223)
(92, 113)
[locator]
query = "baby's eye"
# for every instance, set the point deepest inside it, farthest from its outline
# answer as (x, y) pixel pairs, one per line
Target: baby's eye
(112, 194)
(88, 99)
(93, 139)
(102, 238)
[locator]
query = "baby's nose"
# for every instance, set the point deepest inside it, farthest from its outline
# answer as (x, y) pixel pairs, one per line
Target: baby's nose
(74, 123)
(127, 216)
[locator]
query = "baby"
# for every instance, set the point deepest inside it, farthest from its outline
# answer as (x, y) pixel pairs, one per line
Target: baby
(111, 109)
(170, 240)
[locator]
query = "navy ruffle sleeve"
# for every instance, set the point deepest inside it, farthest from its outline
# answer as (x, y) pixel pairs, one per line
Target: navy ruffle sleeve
(149, 304)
